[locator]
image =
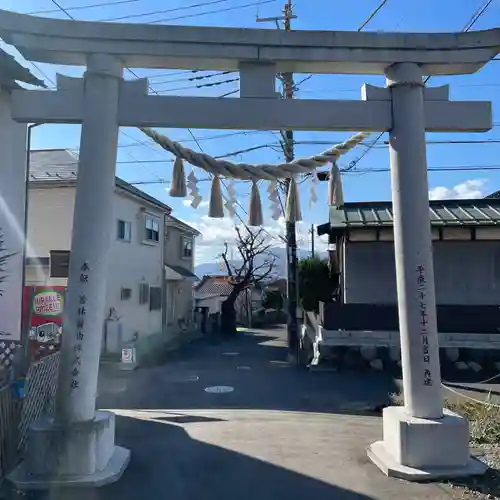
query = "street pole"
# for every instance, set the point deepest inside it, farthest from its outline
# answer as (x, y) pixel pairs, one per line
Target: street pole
(290, 231)
(312, 241)
(22, 358)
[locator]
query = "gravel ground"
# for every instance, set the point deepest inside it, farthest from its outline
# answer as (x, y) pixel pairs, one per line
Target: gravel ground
(480, 487)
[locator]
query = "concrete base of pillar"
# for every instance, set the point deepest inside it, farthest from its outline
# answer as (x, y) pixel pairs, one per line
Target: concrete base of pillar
(81, 454)
(418, 449)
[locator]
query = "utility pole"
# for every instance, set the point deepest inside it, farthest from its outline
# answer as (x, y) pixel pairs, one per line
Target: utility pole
(312, 241)
(290, 235)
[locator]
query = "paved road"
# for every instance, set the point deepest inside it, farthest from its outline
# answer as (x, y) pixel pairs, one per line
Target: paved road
(282, 433)
(255, 365)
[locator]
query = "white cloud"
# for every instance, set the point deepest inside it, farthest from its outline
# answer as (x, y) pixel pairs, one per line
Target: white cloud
(474, 188)
(215, 232)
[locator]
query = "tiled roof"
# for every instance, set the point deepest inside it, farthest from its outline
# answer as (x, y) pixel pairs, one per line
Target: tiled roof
(477, 212)
(60, 165)
(212, 286)
(53, 165)
(496, 194)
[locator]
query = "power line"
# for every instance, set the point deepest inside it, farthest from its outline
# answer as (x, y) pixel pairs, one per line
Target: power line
(467, 27)
(372, 15)
(477, 15)
(62, 9)
(229, 93)
(212, 11)
(37, 67)
(479, 168)
(152, 13)
(161, 75)
(212, 84)
(83, 7)
(194, 78)
(458, 168)
(184, 140)
(386, 143)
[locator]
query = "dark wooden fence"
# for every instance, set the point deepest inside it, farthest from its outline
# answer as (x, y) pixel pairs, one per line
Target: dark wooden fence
(377, 317)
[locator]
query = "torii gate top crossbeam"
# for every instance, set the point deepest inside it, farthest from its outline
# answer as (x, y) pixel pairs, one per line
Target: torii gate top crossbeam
(158, 46)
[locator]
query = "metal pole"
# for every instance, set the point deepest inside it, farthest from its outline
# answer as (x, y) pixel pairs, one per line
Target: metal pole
(22, 364)
(290, 231)
(312, 241)
(291, 235)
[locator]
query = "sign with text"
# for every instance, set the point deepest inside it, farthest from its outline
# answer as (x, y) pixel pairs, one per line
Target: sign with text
(128, 355)
(44, 307)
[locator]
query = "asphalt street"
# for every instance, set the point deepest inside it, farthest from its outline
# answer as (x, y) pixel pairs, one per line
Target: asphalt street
(272, 431)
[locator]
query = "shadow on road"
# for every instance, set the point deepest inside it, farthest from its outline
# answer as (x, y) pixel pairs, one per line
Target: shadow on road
(167, 463)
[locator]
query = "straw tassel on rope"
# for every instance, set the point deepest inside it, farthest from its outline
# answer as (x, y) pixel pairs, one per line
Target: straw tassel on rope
(178, 185)
(292, 209)
(216, 208)
(255, 208)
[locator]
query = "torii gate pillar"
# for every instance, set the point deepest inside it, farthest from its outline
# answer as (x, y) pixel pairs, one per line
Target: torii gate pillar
(76, 447)
(421, 441)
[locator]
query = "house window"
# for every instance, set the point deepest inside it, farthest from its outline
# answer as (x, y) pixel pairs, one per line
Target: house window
(59, 263)
(124, 230)
(126, 293)
(187, 248)
(152, 228)
(143, 293)
(155, 298)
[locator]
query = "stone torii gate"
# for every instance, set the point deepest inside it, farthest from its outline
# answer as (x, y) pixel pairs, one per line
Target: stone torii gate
(77, 446)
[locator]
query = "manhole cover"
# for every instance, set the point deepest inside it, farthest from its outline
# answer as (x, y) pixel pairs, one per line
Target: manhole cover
(219, 389)
(243, 367)
(231, 353)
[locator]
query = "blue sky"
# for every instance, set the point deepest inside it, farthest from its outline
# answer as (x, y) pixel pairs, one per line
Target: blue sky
(138, 163)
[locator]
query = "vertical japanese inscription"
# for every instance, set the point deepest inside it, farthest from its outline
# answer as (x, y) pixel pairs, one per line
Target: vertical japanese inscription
(80, 325)
(424, 332)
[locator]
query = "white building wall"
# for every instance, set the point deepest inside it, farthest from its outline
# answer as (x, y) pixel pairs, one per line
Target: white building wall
(131, 264)
(50, 222)
(50, 219)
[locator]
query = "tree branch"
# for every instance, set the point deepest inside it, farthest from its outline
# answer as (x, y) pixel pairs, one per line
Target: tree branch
(226, 262)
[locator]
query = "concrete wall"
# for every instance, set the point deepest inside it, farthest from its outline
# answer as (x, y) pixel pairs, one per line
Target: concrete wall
(466, 272)
(130, 263)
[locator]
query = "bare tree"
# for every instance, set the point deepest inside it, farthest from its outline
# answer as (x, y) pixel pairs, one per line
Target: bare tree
(256, 265)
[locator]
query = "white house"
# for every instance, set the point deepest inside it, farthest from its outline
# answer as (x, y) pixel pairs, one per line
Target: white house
(136, 299)
(179, 273)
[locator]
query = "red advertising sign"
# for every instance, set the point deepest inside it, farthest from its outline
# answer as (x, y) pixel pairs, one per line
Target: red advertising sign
(44, 306)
